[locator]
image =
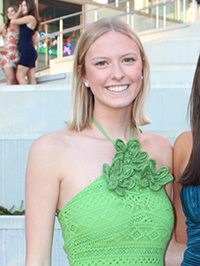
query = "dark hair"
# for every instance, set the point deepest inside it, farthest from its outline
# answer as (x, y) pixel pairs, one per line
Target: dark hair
(32, 10)
(191, 174)
(7, 23)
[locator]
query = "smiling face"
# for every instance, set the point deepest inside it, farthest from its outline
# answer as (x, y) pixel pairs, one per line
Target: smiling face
(24, 8)
(113, 69)
(10, 13)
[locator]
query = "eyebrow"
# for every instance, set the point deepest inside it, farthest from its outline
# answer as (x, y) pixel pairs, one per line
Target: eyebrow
(99, 57)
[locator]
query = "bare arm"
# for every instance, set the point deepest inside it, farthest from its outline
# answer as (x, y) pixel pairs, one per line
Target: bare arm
(29, 20)
(177, 245)
(2, 28)
(182, 152)
(2, 48)
(174, 253)
(18, 13)
(42, 190)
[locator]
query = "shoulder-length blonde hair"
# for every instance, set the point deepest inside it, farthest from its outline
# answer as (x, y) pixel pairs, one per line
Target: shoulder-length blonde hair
(82, 99)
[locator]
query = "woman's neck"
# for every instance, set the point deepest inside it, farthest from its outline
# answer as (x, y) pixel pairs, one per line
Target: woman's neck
(117, 124)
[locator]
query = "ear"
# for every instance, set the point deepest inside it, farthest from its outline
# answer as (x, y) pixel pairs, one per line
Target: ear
(79, 69)
(84, 79)
(143, 66)
(143, 63)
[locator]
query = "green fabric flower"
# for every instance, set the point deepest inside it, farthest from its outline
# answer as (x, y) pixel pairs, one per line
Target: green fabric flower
(128, 161)
(152, 178)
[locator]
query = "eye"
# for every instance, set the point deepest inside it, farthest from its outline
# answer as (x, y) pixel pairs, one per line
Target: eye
(101, 63)
(129, 59)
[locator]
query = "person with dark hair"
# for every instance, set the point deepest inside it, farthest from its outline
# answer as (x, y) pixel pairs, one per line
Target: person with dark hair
(29, 25)
(9, 52)
(187, 179)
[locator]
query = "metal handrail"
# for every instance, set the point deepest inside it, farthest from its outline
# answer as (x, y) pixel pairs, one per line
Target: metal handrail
(129, 14)
(130, 20)
(81, 12)
(70, 29)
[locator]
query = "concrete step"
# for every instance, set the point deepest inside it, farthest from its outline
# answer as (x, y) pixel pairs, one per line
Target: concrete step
(49, 78)
(33, 108)
(172, 73)
(173, 51)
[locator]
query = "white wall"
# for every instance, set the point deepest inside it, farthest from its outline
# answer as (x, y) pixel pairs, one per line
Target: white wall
(12, 243)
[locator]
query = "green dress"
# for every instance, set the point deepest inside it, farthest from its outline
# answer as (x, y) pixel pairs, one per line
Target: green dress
(124, 217)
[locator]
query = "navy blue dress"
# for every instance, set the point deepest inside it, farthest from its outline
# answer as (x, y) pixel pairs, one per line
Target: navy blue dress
(28, 52)
(190, 198)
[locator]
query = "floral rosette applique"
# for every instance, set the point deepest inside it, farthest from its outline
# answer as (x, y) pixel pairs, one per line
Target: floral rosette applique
(128, 161)
(152, 178)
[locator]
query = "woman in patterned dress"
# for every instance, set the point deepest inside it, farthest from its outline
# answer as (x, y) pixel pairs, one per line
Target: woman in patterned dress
(9, 53)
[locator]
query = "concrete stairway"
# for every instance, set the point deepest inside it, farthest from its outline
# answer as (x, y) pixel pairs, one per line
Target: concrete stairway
(173, 56)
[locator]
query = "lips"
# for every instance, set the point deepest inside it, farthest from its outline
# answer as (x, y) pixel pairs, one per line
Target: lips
(117, 88)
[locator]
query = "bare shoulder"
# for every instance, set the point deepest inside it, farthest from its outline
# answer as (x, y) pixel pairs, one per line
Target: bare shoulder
(51, 148)
(182, 151)
(30, 17)
(158, 147)
(183, 141)
(48, 156)
(159, 142)
(183, 147)
(51, 142)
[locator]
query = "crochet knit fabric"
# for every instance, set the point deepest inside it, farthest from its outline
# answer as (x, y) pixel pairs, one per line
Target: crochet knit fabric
(124, 217)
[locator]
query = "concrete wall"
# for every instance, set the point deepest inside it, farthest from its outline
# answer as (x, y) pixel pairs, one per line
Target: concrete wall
(12, 243)
(27, 112)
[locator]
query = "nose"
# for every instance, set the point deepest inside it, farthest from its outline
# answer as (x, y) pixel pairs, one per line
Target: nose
(117, 72)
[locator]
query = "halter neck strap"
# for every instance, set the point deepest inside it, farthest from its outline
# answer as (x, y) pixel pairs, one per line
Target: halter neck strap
(101, 129)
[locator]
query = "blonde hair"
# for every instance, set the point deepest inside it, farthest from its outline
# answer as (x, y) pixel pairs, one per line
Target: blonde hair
(82, 99)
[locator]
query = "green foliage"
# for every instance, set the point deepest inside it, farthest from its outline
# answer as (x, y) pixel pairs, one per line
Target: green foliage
(4, 211)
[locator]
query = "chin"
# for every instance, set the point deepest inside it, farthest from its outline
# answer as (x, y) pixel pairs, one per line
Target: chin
(122, 105)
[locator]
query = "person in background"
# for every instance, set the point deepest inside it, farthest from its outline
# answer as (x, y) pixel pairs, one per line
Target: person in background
(108, 181)
(187, 177)
(9, 53)
(29, 25)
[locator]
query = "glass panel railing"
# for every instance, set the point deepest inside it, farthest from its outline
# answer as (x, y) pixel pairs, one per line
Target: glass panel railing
(47, 50)
(57, 38)
(57, 45)
(161, 15)
(69, 42)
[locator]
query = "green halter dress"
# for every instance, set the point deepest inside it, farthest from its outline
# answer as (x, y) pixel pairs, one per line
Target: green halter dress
(122, 218)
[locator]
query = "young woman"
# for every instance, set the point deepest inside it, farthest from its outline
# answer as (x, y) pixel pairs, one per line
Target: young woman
(187, 176)
(29, 25)
(108, 180)
(9, 53)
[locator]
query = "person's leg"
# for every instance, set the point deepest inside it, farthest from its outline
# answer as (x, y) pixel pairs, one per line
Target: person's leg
(31, 75)
(10, 73)
(16, 81)
(21, 74)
